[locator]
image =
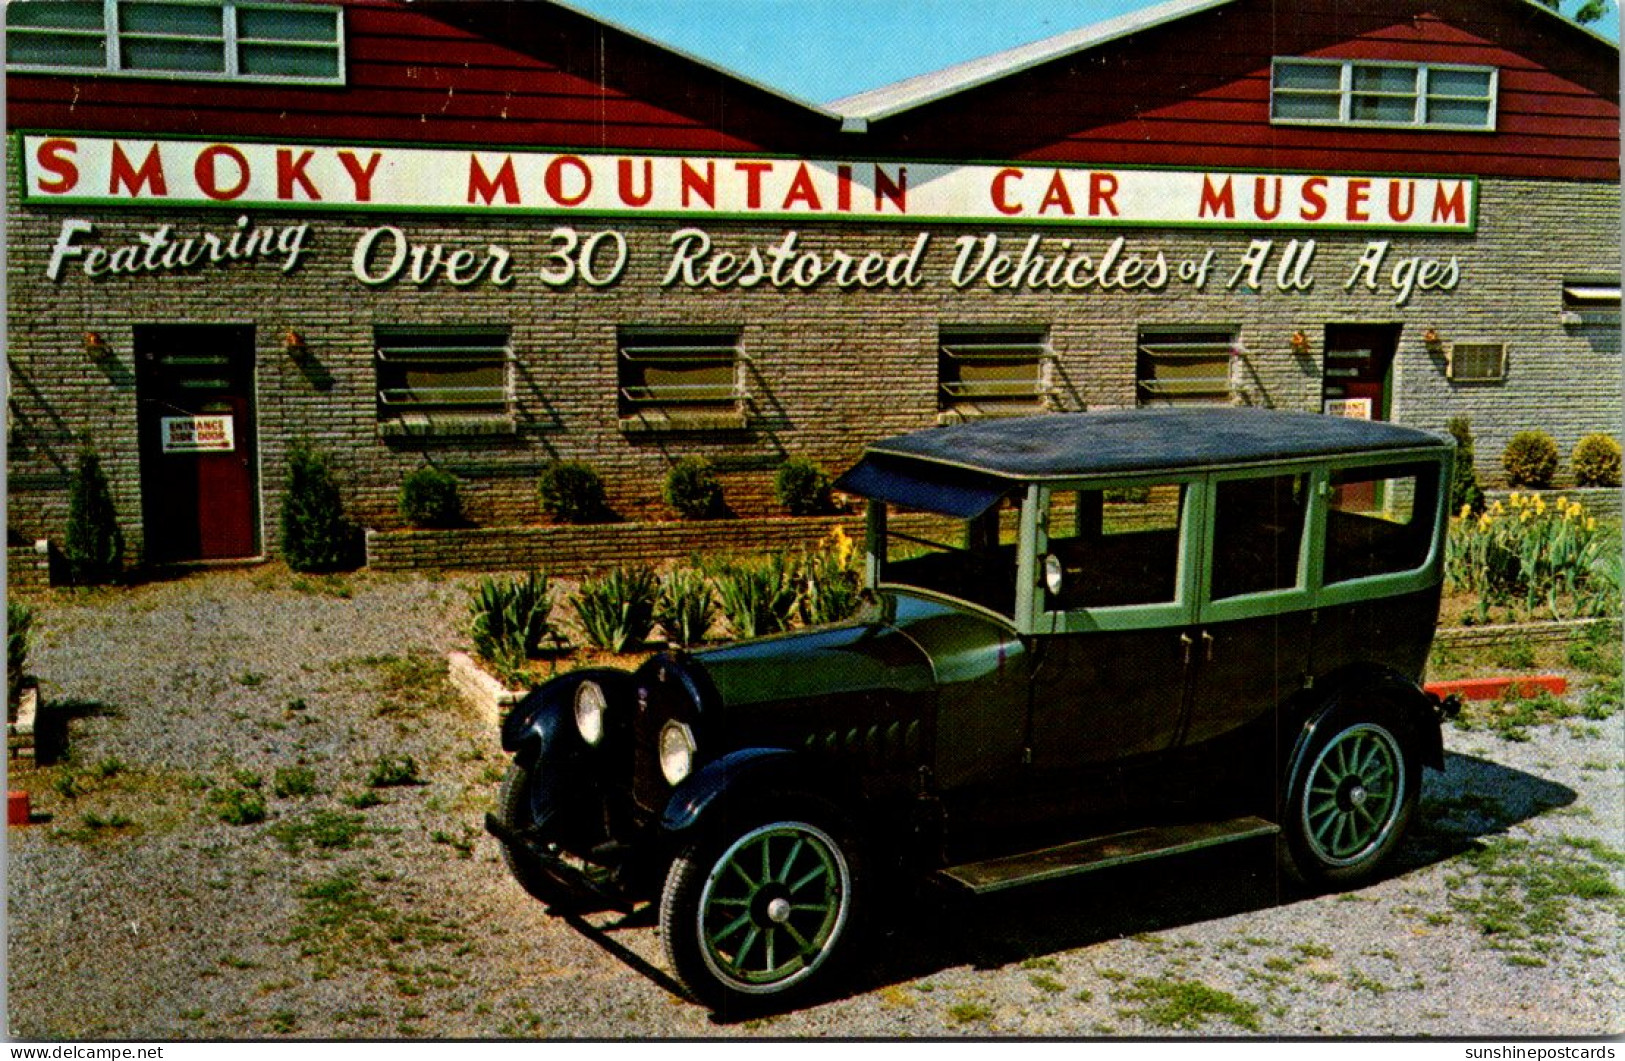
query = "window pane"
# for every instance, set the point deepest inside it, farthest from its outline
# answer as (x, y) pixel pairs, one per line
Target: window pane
(1257, 531)
(181, 20)
(971, 560)
(441, 371)
(1379, 522)
(286, 24)
(174, 55)
(1382, 109)
(48, 50)
(1473, 83)
(985, 370)
(1323, 76)
(1308, 108)
(1116, 547)
(1184, 367)
(1384, 79)
(270, 59)
(1464, 113)
(69, 14)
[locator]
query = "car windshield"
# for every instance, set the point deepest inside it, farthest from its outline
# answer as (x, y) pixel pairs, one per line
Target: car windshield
(971, 560)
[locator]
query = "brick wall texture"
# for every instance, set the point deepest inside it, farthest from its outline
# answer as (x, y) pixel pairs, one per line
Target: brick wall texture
(828, 369)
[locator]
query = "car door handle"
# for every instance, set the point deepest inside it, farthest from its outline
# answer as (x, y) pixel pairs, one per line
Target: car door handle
(1207, 647)
(1185, 650)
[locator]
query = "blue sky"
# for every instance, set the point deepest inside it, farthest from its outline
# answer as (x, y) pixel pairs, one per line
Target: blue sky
(820, 50)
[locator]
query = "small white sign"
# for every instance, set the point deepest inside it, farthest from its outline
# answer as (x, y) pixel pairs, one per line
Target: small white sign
(1349, 408)
(198, 434)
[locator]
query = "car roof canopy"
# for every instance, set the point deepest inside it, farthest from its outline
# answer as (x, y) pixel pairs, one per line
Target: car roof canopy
(962, 469)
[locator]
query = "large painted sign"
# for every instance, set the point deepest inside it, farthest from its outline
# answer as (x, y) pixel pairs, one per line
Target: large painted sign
(72, 169)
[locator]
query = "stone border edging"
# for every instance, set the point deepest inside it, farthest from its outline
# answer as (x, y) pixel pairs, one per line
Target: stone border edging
(1556, 630)
(485, 693)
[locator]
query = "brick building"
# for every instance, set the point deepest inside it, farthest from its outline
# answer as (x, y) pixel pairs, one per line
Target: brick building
(493, 236)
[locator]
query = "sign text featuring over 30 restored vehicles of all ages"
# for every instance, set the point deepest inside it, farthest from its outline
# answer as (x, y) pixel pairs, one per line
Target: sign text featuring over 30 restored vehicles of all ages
(1093, 639)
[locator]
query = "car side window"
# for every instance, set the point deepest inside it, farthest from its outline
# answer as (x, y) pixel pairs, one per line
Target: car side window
(1258, 534)
(1379, 520)
(1116, 547)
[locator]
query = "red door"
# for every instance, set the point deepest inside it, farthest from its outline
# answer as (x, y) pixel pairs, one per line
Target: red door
(198, 455)
(1355, 384)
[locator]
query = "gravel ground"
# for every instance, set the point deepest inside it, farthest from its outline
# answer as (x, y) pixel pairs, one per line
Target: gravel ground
(136, 912)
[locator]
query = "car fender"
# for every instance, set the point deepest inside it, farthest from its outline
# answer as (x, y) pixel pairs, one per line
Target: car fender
(744, 777)
(543, 723)
(1417, 710)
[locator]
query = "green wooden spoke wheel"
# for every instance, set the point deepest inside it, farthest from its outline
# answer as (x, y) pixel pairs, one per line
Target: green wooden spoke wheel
(1351, 801)
(760, 914)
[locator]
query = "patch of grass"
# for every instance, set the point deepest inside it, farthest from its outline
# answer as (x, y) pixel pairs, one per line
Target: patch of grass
(362, 800)
(237, 806)
(1042, 962)
(394, 771)
(283, 1022)
(1362, 982)
(463, 844)
(406, 686)
(1185, 1004)
(342, 925)
(335, 586)
(93, 827)
(1515, 654)
(1522, 895)
(324, 830)
(291, 782)
(1313, 950)
(251, 679)
(1046, 983)
(970, 1012)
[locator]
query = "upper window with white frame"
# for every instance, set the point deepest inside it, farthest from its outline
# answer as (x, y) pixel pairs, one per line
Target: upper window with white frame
(1386, 95)
(190, 39)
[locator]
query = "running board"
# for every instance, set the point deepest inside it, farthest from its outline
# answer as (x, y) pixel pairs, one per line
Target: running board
(1102, 852)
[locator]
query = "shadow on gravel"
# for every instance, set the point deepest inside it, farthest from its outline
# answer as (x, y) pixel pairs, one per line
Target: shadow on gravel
(51, 725)
(1472, 799)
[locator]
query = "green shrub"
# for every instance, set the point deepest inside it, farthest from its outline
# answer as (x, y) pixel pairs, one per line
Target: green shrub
(291, 781)
(429, 498)
(758, 597)
(1465, 493)
(315, 534)
(573, 493)
(237, 806)
(1595, 461)
(802, 487)
(688, 606)
(617, 610)
(1530, 459)
(692, 489)
(510, 618)
(19, 628)
(394, 771)
(94, 544)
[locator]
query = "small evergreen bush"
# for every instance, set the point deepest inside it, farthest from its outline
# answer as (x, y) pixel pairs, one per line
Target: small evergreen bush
(688, 606)
(617, 610)
(429, 498)
(802, 487)
(94, 544)
(1465, 493)
(510, 618)
(315, 534)
(573, 493)
(692, 489)
(19, 629)
(1530, 459)
(1595, 461)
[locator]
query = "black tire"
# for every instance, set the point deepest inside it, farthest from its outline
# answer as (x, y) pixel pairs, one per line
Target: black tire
(1351, 796)
(526, 869)
(755, 916)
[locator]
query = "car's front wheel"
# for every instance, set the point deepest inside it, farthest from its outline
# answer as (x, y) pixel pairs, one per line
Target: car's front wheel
(762, 913)
(513, 812)
(1351, 798)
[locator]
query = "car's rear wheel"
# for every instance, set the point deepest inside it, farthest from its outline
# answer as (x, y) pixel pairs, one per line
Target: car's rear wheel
(762, 913)
(1352, 796)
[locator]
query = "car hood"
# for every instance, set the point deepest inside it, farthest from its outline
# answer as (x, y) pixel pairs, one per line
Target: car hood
(905, 645)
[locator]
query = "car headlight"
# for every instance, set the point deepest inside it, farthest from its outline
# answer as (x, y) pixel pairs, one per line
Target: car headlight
(676, 751)
(590, 706)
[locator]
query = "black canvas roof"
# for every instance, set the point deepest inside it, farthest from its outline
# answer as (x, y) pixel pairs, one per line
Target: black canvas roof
(963, 468)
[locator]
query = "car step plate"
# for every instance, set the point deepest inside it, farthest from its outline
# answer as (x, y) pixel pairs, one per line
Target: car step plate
(1102, 852)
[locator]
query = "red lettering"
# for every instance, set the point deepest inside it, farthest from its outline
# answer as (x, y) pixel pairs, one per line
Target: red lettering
(1453, 208)
(553, 180)
(843, 187)
(1315, 203)
(483, 186)
(802, 191)
(1260, 210)
(628, 196)
(1000, 179)
(1102, 192)
(704, 187)
(1057, 195)
(361, 178)
(151, 173)
(1359, 191)
(51, 157)
(290, 172)
(1395, 211)
(753, 181)
(208, 178)
(894, 192)
(1218, 202)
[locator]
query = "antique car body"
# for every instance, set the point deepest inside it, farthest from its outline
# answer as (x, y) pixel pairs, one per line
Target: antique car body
(1093, 638)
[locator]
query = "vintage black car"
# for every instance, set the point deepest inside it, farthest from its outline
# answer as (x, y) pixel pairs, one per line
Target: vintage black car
(1094, 639)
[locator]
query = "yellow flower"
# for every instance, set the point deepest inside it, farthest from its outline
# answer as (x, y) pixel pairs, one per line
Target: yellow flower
(1466, 510)
(1540, 506)
(1515, 500)
(1523, 517)
(841, 544)
(1484, 521)
(1496, 508)
(1591, 523)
